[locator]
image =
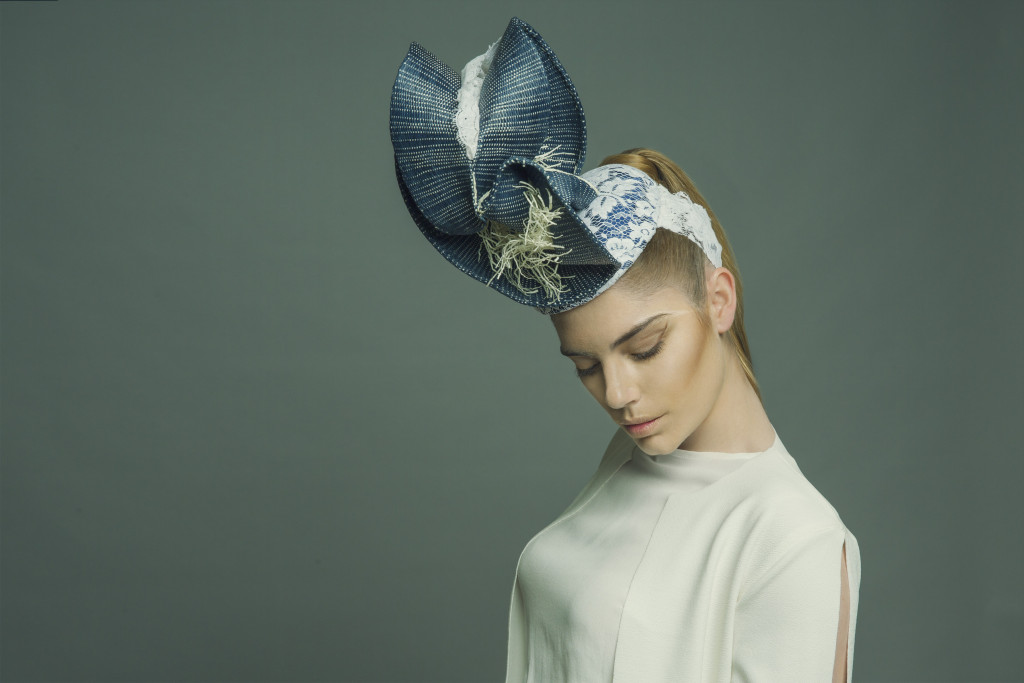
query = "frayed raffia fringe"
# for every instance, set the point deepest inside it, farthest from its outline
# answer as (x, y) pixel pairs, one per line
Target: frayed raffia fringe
(531, 253)
(547, 159)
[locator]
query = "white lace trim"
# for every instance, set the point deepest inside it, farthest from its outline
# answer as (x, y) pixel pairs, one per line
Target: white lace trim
(467, 114)
(680, 214)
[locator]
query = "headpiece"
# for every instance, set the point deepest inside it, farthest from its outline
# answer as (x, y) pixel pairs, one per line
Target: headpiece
(488, 165)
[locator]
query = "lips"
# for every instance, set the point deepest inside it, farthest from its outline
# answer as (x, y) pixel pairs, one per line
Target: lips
(641, 428)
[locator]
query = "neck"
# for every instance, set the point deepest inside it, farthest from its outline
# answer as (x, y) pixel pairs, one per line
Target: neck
(737, 422)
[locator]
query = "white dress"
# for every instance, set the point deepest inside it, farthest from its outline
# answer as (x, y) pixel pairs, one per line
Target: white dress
(690, 566)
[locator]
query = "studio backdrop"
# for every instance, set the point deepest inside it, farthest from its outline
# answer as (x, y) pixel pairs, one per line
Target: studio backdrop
(255, 429)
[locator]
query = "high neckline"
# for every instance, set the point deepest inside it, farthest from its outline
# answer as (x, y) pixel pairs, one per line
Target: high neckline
(683, 454)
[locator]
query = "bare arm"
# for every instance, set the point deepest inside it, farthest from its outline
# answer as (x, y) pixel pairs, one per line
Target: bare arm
(839, 671)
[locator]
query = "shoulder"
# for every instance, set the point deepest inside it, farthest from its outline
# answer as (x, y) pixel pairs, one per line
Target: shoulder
(775, 494)
(783, 514)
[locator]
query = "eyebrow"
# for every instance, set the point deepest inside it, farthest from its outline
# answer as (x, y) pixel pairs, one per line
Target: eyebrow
(637, 329)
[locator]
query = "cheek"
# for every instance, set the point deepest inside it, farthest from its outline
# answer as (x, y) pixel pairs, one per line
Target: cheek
(681, 373)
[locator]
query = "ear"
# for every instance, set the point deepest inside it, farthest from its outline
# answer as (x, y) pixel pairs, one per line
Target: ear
(721, 299)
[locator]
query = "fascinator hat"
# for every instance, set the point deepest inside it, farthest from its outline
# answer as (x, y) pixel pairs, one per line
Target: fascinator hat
(489, 167)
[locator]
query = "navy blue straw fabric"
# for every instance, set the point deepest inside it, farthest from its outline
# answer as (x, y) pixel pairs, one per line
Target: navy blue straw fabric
(531, 129)
(423, 134)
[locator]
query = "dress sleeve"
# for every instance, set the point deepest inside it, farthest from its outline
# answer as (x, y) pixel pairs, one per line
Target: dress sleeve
(788, 616)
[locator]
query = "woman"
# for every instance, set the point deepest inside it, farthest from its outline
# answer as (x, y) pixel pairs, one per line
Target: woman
(698, 551)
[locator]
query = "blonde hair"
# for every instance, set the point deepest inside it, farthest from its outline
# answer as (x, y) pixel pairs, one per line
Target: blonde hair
(672, 258)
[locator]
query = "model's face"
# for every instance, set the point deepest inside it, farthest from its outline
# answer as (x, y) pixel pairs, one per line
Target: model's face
(645, 359)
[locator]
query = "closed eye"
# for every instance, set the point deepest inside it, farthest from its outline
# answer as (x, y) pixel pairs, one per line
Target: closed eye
(642, 356)
(649, 353)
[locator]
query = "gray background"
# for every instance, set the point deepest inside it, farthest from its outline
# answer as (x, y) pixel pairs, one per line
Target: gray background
(256, 429)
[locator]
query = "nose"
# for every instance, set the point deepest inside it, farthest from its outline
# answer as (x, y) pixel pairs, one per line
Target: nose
(620, 386)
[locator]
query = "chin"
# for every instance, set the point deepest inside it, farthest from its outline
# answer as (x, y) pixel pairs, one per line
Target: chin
(656, 444)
